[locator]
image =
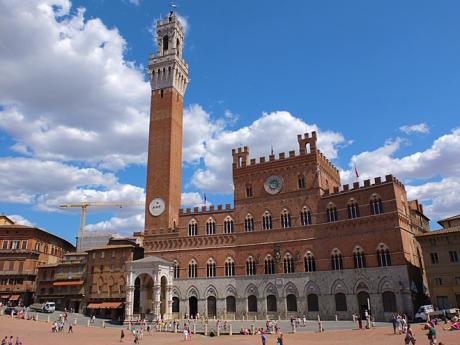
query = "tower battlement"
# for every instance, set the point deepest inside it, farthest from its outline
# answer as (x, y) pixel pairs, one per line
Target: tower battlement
(366, 184)
(307, 146)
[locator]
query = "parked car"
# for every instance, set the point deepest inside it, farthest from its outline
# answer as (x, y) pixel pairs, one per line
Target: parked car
(422, 312)
(47, 307)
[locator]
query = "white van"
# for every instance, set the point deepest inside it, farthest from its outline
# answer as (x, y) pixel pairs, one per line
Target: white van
(49, 307)
(423, 311)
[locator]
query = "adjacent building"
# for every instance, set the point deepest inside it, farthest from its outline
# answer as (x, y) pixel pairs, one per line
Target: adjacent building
(22, 250)
(441, 251)
(105, 285)
(63, 283)
(296, 241)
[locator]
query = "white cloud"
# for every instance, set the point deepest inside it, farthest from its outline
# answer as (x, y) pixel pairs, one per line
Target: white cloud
(135, 2)
(278, 129)
(192, 199)
(46, 184)
(418, 128)
(185, 23)
(432, 175)
(66, 89)
(20, 220)
(117, 225)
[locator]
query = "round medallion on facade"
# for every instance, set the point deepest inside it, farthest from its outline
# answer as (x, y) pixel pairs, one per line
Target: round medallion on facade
(273, 184)
(157, 207)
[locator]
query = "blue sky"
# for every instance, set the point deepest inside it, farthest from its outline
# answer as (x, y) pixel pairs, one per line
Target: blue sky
(379, 80)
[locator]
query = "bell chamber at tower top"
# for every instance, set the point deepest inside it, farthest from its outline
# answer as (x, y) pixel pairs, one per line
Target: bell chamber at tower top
(167, 69)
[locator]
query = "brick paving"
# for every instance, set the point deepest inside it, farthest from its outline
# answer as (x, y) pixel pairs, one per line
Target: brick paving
(39, 333)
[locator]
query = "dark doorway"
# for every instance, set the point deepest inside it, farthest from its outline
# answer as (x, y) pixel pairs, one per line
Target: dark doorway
(271, 303)
(252, 304)
(231, 304)
(291, 302)
(175, 304)
(212, 306)
(137, 293)
(363, 303)
(193, 306)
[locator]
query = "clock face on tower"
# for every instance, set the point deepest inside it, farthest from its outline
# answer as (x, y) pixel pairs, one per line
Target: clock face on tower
(157, 207)
(273, 184)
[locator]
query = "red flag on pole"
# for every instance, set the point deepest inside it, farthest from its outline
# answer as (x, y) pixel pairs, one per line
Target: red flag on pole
(356, 171)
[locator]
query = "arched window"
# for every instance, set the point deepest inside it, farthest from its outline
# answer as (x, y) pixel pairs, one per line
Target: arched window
(231, 304)
(269, 265)
(285, 219)
(165, 43)
(291, 302)
(211, 268)
(175, 304)
(312, 302)
(288, 263)
(331, 213)
(192, 269)
(210, 227)
(336, 260)
(301, 182)
(192, 228)
(376, 204)
(271, 304)
(250, 266)
(228, 225)
(248, 186)
(305, 216)
(249, 223)
(353, 209)
(340, 302)
(309, 262)
(177, 47)
(229, 267)
(252, 304)
(359, 259)
(176, 270)
(267, 221)
(383, 256)
(389, 302)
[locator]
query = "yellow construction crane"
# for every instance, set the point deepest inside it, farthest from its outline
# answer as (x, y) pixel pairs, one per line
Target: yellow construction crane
(84, 205)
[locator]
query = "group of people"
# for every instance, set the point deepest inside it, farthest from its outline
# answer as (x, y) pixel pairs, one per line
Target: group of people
(367, 317)
(59, 324)
(11, 341)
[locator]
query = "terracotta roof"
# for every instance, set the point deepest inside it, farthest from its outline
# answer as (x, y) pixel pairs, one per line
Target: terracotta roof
(75, 253)
(69, 283)
(31, 228)
(440, 232)
(47, 265)
(113, 246)
(105, 305)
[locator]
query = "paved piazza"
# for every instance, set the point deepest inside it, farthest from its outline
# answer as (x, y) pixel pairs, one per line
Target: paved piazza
(39, 333)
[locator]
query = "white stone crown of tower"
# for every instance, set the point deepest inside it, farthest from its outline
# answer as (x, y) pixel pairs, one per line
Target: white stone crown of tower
(168, 68)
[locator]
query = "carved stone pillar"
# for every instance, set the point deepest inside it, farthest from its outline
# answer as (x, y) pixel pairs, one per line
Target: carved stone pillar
(156, 301)
(129, 306)
(168, 309)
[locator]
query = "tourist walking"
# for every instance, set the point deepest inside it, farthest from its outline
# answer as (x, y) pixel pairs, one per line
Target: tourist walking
(393, 321)
(409, 338)
(432, 334)
(122, 336)
(263, 337)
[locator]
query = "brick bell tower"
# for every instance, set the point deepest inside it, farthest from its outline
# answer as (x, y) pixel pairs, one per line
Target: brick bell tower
(168, 78)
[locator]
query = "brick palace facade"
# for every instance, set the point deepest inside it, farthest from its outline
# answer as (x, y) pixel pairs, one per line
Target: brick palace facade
(295, 242)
